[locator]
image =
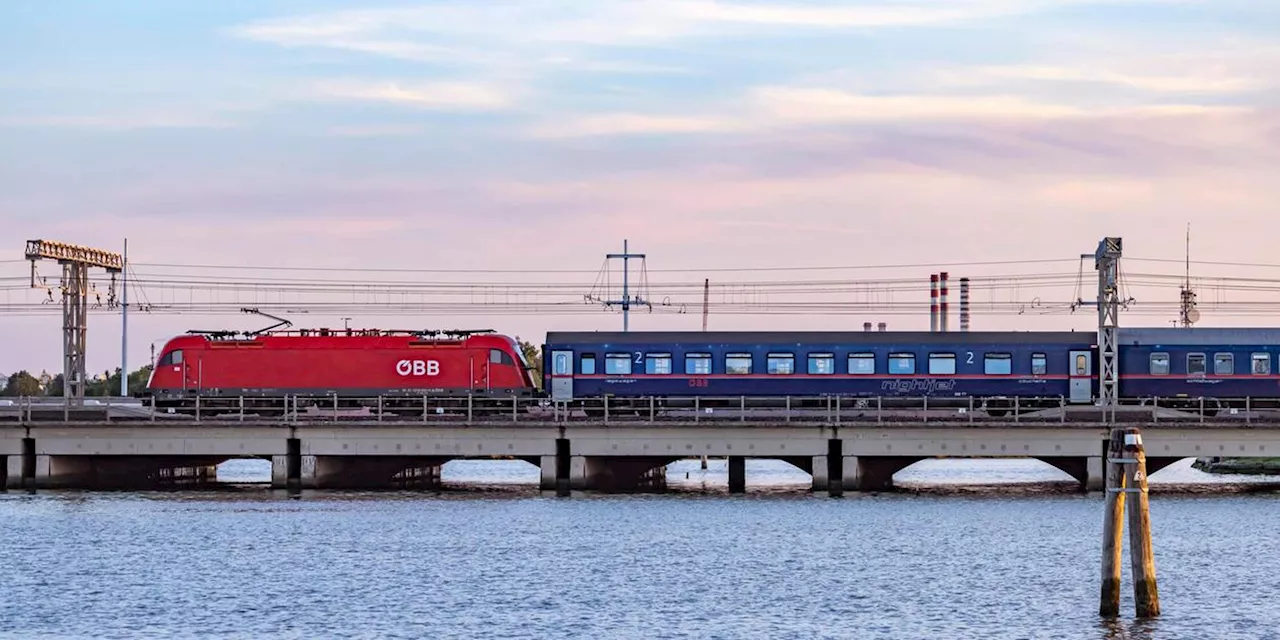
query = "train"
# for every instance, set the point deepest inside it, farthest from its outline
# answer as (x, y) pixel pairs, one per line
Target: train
(356, 367)
(991, 369)
(1178, 366)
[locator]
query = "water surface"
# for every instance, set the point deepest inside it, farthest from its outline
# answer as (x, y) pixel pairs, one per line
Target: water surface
(999, 563)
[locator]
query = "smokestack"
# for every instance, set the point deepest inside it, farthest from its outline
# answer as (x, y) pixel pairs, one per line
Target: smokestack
(943, 312)
(933, 303)
(866, 326)
(883, 326)
(964, 304)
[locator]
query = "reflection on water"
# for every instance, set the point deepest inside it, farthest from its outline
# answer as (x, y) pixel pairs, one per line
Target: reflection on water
(776, 474)
(257, 563)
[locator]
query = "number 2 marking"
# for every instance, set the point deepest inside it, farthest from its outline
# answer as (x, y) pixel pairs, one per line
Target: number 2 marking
(639, 359)
(970, 360)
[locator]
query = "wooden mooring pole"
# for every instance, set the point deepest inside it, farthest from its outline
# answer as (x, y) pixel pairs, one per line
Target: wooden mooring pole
(1127, 476)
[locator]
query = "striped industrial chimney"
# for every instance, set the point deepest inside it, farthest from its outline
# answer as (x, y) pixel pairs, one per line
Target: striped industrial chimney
(933, 303)
(964, 304)
(944, 313)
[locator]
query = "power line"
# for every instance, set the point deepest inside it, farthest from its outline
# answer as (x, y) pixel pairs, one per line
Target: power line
(589, 271)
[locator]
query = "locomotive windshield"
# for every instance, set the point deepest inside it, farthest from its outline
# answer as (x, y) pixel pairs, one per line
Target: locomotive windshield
(524, 362)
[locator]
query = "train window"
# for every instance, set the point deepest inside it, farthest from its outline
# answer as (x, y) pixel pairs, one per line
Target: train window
(561, 365)
(1195, 364)
(173, 357)
(697, 364)
(618, 364)
(657, 363)
(1224, 364)
(864, 364)
(942, 364)
(780, 364)
(998, 364)
(903, 364)
(1039, 364)
(1159, 364)
(498, 356)
(737, 364)
(588, 364)
(822, 363)
(1261, 364)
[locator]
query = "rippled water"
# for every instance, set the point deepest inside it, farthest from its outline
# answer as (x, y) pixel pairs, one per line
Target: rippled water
(776, 563)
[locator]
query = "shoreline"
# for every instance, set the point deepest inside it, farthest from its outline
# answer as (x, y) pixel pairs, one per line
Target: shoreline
(1238, 466)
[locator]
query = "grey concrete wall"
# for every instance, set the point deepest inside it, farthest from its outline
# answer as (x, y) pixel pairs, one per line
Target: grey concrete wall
(971, 441)
(1193, 443)
(686, 441)
(160, 441)
(11, 440)
(599, 455)
(428, 441)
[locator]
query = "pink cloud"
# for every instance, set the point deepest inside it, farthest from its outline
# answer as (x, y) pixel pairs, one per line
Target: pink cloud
(838, 195)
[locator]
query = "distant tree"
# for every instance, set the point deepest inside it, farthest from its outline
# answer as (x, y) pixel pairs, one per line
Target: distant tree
(532, 355)
(22, 383)
(137, 382)
(99, 385)
(54, 387)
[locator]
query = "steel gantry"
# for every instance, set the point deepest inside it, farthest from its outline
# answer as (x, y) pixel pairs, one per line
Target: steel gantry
(1107, 261)
(76, 262)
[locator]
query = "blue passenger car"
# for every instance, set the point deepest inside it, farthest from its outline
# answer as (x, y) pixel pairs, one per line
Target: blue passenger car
(816, 364)
(1171, 362)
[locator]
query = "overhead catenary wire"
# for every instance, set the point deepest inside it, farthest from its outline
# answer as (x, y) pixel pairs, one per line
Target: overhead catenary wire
(915, 265)
(187, 289)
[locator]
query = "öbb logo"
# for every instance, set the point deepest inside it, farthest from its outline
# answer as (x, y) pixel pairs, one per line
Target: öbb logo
(418, 368)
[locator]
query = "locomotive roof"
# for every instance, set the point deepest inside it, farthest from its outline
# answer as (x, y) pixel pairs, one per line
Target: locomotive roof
(1199, 335)
(823, 337)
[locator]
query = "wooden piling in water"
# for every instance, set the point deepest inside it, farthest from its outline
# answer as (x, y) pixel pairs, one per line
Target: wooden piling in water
(1113, 527)
(1127, 474)
(1145, 595)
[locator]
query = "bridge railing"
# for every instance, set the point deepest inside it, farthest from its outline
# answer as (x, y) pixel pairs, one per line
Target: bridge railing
(797, 410)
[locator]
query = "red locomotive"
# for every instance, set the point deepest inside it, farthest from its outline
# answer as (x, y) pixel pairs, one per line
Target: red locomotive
(355, 366)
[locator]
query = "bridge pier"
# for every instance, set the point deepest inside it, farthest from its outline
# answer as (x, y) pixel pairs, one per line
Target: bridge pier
(114, 472)
(12, 472)
(818, 469)
(355, 472)
(549, 468)
(737, 474)
(19, 466)
(873, 473)
(618, 473)
(1089, 471)
(828, 470)
(825, 471)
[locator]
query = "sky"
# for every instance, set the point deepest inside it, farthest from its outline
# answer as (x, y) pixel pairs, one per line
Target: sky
(538, 134)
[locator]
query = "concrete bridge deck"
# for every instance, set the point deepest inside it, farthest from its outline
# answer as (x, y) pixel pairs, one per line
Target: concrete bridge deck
(342, 453)
(821, 410)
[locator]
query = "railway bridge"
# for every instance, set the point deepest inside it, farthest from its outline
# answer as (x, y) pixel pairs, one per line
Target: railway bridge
(120, 443)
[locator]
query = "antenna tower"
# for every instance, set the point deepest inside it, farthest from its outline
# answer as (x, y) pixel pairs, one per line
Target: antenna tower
(627, 300)
(76, 262)
(1189, 314)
